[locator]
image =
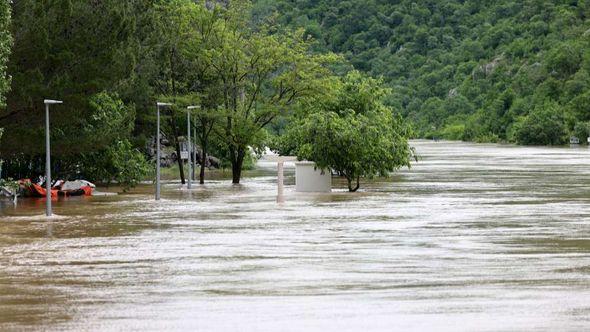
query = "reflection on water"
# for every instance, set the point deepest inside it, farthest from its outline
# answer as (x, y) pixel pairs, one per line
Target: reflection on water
(474, 237)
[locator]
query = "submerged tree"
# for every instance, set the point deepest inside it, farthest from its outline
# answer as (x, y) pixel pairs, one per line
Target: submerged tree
(179, 66)
(352, 133)
(261, 74)
(207, 118)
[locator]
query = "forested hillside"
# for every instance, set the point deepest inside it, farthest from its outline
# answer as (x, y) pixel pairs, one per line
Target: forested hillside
(475, 70)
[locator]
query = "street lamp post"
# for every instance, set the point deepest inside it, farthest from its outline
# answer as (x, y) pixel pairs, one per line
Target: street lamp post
(188, 129)
(194, 153)
(158, 106)
(48, 211)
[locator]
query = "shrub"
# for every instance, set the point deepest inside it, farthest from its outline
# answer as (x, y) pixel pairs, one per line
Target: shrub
(545, 125)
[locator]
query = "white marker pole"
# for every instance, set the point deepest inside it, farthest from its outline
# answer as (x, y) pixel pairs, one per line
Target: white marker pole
(280, 182)
(48, 209)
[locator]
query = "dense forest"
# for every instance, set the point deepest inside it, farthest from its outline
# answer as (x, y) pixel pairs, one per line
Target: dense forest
(239, 76)
(478, 70)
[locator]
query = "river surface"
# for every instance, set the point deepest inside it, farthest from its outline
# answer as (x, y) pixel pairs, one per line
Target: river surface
(473, 237)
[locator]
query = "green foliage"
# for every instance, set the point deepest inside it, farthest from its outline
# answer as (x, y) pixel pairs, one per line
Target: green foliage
(488, 62)
(544, 125)
(110, 120)
(120, 163)
(353, 133)
(582, 131)
(454, 132)
(10, 184)
(67, 50)
(263, 74)
(5, 46)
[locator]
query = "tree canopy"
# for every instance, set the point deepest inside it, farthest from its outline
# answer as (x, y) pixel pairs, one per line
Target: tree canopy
(110, 61)
(5, 47)
(351, 132)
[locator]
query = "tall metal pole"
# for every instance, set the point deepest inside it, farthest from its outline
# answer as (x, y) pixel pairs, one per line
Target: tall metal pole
(48, 211)
(195, 153)
(158, 155)
(188, 129)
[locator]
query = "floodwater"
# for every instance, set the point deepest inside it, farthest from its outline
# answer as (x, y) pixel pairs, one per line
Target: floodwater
(473, 237)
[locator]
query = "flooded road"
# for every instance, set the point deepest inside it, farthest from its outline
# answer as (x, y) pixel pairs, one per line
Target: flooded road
(474, 237)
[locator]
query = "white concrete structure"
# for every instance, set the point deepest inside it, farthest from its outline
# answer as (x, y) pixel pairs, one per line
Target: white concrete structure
(309, 179)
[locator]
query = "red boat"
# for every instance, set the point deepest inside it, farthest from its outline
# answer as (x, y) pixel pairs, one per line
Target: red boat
(35, 190)
(64, 189)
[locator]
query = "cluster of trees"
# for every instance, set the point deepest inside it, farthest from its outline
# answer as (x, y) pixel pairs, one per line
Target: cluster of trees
(349, 130)
(80, 52)
(486, 70)
(111, 60)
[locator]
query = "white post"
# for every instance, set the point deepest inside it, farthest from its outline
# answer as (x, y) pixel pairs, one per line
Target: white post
(158, 154)
(48, 209)
(280, 182)
(188, 130)
(194, 155)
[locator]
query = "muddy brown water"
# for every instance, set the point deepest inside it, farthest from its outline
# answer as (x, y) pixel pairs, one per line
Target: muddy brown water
(473, 237)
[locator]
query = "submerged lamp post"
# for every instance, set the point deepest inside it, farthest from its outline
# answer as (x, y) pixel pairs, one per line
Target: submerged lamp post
(189, 146)
(158, 106)
(194, 153)
(48, 211)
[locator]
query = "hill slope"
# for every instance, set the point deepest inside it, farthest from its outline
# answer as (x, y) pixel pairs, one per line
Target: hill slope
(474, 70)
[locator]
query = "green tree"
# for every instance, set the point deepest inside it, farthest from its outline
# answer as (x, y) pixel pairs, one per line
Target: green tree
(120, 163)
(67, 50)
(170, 34)
(180, 44)
(262, 74)
(5, 47)
(113, 158)
(545, 125)
(354, 134)
(207, 118)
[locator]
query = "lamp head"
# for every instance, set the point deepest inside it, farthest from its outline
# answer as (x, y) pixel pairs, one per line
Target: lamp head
(163, 104)
(52, 102)
(193, 107)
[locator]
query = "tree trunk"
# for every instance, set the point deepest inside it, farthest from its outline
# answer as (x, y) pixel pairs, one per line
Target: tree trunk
(177, 146)
(203, 163)
(236, 165)
(173, 117)
(180, 163)
(358, 184)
